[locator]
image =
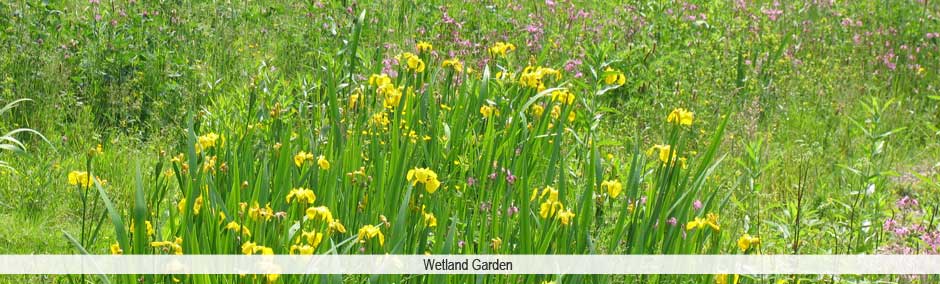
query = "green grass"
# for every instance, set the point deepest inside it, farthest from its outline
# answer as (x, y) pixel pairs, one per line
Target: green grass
(795, 120)
(25, 235)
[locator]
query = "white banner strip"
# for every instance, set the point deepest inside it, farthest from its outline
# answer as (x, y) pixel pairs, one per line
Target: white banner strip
(470, 264)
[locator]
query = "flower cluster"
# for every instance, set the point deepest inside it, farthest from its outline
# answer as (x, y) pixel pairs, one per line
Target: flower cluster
(429, 219)
(368, 232)
(746, 242)
(175, 246)
(551, 206)
(250, 248)
(197, 205)
(454, 64)
(488, 111)
(614, 77)
(206, 141)
(533, 77)
(83, 179)
(237, 228)
(710, 221)
(306, 243)
(664, 152)
(425, 176)
(302, 195)
(502, 48)
(613, 187)
(680, 116)
(302, 157)
(384, 87)
(563, 96)
(412, 62)
(424, 46)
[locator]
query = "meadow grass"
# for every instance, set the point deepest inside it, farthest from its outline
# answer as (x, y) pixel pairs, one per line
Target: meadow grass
(485, 127)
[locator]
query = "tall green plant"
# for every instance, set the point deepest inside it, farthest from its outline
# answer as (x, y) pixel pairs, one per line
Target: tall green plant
(9, 142)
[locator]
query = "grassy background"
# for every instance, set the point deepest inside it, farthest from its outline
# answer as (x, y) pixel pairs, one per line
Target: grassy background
(800, 91)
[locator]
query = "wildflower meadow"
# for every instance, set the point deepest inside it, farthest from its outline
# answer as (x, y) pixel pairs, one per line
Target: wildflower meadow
(737, 127)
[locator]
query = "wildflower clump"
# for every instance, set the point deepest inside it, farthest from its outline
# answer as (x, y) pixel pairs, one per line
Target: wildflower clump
(537, 110)
(149, 226)
(613, 187)
(424, 176)
(556, 113)
(424, 46)
(369, 232)
(453, 64)
(379, 80)
(614, 77)
(204, 142)
(258, 213)
(502, 48)
(534, 77)
(197, 205)
(746, 242)
(250, 248)
(710, 221)
(412, 62)
(238, 229)
(323, 163)
(306, 243)
(496, 243)
(386, 89)
(302, 195)
(551, 206)
(680, 116)
(565, 216)
(664, 152)
(175, 246)
(82, 179)
(429, 219)
(336, 226)
(488, 111)
(563, 96)
(302, 157)
(325, 216)
(723, 279)
(320, 212)
(303, 249)
(116, 249)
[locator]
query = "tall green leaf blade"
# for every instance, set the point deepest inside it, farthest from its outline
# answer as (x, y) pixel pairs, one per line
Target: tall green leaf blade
(104, 278)
(119, 231)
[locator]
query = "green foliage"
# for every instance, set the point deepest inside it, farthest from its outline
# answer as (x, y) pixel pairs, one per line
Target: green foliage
(812, 119)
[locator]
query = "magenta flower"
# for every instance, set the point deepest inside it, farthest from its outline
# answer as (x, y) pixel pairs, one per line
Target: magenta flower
(389, 67)
(932, 239)
(907, 202)
(887, 60)
(510, 178)
(773, 13)
(572, 65)
(889, 224)
(901, 231)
